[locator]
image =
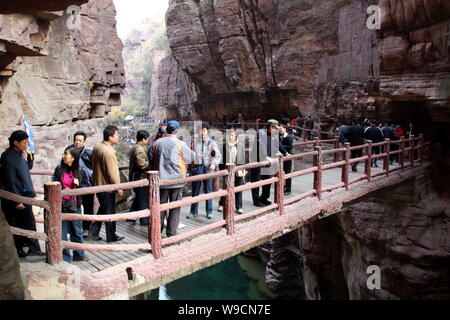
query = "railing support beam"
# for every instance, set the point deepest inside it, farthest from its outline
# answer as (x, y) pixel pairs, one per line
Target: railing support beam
(279, 186)
(154, 226)
(346, 166)
(53, 222)
(386, 160)
(368, 164)
(318, 162)
(228, 208)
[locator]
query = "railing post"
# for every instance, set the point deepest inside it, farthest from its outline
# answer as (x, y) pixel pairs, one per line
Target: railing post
(154, 226)
(228, 211)
(401, 158)
(421, 143)
(53, 222)
(387, 150)
(318, 134)
(317, 142)
(345, 168)
(317, 162)
(279, 186)
(368, 163)
(304, 134)
(411, 150)
(336, 146)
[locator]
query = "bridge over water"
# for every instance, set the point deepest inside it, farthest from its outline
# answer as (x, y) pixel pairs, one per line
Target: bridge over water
(145, 259)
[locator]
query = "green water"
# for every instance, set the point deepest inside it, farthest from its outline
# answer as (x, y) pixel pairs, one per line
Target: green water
(238, 278)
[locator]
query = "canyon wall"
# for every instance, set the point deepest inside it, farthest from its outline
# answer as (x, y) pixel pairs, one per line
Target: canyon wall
(62, 77)
(255, 57)
(268, 58)
(400, 72)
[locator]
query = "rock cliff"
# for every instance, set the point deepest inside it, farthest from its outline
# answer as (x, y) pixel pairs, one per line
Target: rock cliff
(250, 56)
(62, 75)
(271, 57)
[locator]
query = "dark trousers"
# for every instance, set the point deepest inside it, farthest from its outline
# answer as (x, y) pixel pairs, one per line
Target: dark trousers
(140, 202)
(207, 188)
(173, 217)
(238, 181)
(375, 150)
(255, 175)
(75, 230)
(288, 169)
(394, 147)
(356, 154)
(88, 208)
(23, 219)
(107, 206)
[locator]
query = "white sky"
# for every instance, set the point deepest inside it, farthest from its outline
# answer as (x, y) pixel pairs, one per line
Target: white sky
(132, 12)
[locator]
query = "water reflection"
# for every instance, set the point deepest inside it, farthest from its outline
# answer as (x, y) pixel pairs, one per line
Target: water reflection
(238, 278)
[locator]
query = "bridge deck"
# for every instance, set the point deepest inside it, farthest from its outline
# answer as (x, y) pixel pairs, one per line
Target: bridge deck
(138, 234)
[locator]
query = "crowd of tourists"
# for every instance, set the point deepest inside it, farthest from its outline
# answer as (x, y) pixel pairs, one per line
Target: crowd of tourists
(357, 132)
(82, 167)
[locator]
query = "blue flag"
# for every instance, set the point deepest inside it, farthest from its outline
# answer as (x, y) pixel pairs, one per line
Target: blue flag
(28, 130)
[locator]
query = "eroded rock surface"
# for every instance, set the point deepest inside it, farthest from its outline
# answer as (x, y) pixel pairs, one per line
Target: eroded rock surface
(80, 76)
(247, 56)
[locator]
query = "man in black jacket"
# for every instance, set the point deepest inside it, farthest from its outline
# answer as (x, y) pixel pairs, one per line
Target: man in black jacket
(286, 146)
(355, 135)
(375, 134)
(79, 141)
(16, 179)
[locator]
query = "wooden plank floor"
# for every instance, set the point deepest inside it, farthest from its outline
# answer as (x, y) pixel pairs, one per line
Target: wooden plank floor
(138, 234)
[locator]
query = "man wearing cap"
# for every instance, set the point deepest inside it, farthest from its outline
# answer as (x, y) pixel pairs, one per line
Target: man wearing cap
(169, 156)
(16, 178)
(265, 147)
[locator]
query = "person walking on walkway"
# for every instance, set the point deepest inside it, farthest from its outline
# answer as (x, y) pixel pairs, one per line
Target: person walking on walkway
(68, 173)
(234, 152)
(169, 156)
(265, 147)
(355, 136)
(106, 171)
(375, 134)
(208, 158)
(389, 132)
(286, 146)
(87, 201)
(138, 167)
(309, 124)
(15, 178)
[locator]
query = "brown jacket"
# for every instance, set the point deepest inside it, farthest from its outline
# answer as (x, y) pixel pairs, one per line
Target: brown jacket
(139, 163)
(105, 166)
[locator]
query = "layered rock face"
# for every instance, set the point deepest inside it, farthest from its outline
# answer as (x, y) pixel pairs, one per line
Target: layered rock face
(400, 72)
(403, 230)
(255, 57)
(77, 74)
(80, 78)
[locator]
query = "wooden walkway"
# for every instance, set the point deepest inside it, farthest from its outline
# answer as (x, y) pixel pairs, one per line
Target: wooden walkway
(100, 260)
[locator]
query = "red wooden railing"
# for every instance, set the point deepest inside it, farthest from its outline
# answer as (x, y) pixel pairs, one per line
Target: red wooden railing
(53, 194)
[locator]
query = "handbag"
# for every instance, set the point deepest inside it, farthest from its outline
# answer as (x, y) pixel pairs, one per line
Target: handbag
(69, 206)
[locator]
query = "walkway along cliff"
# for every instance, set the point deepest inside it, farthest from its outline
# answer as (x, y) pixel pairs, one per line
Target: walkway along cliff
(177, 256)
